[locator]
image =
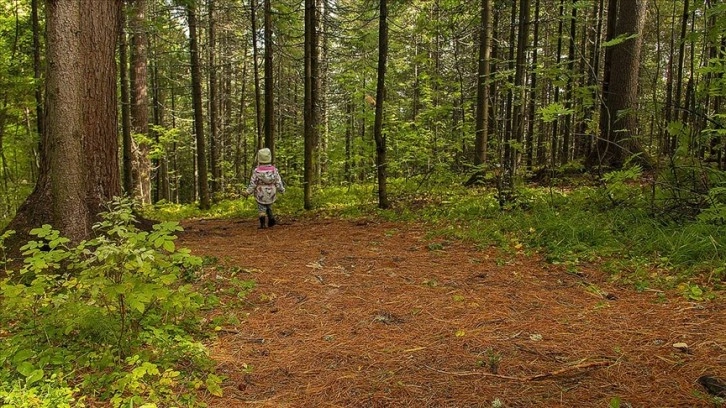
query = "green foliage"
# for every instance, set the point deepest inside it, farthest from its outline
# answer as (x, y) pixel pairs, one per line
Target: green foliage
(114, 310)
(553, 111)
(617, 188)
(570, 225)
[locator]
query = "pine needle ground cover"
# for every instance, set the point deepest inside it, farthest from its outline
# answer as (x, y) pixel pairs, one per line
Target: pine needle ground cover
(409, 308)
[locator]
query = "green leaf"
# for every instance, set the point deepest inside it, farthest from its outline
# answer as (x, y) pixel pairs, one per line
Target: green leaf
(213, 385)
(136, 304)
(169, 246)
(23, 355)
(34, 376)
(26, 368)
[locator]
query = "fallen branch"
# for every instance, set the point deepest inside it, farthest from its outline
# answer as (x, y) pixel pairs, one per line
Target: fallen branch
(536, 377)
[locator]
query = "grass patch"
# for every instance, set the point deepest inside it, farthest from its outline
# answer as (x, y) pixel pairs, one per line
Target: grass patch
(569, 225)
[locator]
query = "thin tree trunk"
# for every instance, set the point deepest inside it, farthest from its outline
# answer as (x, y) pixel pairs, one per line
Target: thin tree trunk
(508, 136)
(214, 142)
(349, 129)
(241, 144)
(37, 68)
(482, 97)
(569, 94)
(256, 69)
(519, 88)
(127, 154)
(677, 102)
(140, 102)
(201, 155)
(380, 138)
(533, 89)
(555, 124)
(269, 84)
(311, 95)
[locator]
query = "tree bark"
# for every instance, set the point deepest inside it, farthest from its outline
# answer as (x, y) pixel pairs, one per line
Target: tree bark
(269, 83)
(555, 124)
(519, 90)
(311, 101)
(140, 102)
(204, 201)
(37, 68)
(531, 109)
(380, 138)
(79, 170)
(214, 142)
(126, 141)
(256, 69)
(568, 120)
(618, 141)
(482, 96)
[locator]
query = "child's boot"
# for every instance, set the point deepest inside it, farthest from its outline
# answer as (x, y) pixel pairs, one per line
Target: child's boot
(270, 218)
(262, 222)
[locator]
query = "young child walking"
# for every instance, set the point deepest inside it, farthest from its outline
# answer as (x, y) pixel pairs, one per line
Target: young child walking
(264, 184)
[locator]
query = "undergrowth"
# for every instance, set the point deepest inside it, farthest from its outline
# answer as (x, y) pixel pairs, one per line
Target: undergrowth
(615, 224)
(114, 318)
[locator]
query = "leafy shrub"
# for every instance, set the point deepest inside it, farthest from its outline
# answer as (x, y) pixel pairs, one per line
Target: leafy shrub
(112, 314)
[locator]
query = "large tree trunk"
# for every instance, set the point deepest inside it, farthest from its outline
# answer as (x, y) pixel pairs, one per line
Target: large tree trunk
(381, 162)
(618, 141)
(79, 166)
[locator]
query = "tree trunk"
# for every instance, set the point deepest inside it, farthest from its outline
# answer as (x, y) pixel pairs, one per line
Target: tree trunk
(311, 100)
(618, 141)
(555, 124)
(678, 104)
(204, 201)
(482, 96)
(162, 172)
(269, 83)
(79, 170)
(519, 89)
(126, 141)
(140, 102)
(214, 142)
(256, 69)
(37, 76)
(508, 135)
(241, 143)
(569, 94)
(531, 110)
(380, 138)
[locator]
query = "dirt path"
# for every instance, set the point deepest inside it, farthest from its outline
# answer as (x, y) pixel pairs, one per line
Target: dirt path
(368, 314)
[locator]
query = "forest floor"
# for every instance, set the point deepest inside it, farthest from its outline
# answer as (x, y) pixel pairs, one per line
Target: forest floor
(378, 314)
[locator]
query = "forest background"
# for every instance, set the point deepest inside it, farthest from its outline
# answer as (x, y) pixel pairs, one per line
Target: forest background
(590, 129)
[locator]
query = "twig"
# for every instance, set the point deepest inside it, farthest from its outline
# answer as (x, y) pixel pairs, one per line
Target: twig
(529, 378)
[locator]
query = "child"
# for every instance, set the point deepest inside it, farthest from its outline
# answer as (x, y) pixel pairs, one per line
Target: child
(265, 184)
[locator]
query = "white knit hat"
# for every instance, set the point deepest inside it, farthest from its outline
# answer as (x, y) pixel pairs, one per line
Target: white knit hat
(264, 156)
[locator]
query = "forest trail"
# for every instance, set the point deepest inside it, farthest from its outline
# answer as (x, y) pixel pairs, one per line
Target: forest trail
(375, 314)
